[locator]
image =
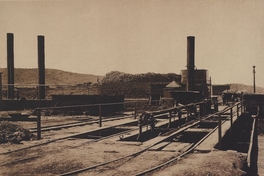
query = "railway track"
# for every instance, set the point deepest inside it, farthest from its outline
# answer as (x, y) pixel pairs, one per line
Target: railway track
(74, 124)
(160, 143)
(168, 142)
(76, 135)
(89, 134)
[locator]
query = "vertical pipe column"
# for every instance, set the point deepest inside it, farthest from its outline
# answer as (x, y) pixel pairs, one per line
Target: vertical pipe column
(190, 63)
(10, 65)
(254, 82)
(41, 67)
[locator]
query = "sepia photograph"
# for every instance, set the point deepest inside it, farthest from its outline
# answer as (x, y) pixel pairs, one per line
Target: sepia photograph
(131, 87)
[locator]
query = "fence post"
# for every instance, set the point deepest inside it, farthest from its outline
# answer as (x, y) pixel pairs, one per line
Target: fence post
(170, 118)
(179, 117)
(216, 106)
(201, 109)
(100, 115)
(241, 107)
(38, 124)
(237, 111)
(135, 113)
(231, 119)
(219, 131)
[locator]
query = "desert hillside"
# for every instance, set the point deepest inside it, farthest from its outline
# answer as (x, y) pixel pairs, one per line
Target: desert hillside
(53, 76)
(59, 77)
(245, 88)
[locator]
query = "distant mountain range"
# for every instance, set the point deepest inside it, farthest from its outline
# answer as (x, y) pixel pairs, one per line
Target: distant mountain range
(245, 88)
(52, 76)
(59, 77)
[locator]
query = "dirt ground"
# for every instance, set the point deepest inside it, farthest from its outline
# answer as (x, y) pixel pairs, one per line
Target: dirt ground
(75, 153)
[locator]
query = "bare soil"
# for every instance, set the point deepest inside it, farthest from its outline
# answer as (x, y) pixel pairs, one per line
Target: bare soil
(75, 153)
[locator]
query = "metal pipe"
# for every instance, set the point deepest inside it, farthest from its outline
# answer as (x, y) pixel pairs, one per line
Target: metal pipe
(135, 110)
(41, 67)
(254, 81)
(10, 65)
(190, 63)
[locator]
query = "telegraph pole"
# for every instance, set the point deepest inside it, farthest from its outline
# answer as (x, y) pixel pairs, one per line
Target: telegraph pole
(254, 82)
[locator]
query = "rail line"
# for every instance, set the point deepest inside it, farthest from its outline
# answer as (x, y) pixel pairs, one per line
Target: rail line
(73, 124)
(189, 149)
(133, 155)
(170, 135)
(72, 136)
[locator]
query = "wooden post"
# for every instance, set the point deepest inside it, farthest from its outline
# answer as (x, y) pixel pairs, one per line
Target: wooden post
(219, 130)
(216, 106)
(38, 124)
(170, 119)
(237, 111)
(140, 127)
(135, 106)
(231, 118)
(100, 115)
(179, 117)
(201, 110)
(241, 106)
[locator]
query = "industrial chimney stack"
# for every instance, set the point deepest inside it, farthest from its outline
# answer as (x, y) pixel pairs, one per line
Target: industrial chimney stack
(10, 65)
(41, 67)
(190, 63)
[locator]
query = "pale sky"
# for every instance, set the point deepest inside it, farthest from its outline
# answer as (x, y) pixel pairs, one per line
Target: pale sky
(139, 36)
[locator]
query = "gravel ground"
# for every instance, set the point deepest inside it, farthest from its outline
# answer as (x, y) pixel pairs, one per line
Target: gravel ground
(70, 154)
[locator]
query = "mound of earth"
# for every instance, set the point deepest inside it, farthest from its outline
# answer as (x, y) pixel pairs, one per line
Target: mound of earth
(13, 133)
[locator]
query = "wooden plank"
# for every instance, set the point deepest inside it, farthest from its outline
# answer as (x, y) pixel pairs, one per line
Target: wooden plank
(198, 130)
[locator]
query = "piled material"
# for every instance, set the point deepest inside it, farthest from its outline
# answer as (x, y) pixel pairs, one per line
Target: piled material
(13, 133)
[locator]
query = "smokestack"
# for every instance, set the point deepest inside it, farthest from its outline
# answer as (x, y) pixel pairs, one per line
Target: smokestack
(10, 65)
(190, 63)
(41, 67)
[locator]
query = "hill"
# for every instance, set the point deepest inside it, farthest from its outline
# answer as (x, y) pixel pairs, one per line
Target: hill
(53, 76)
(245, 88)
